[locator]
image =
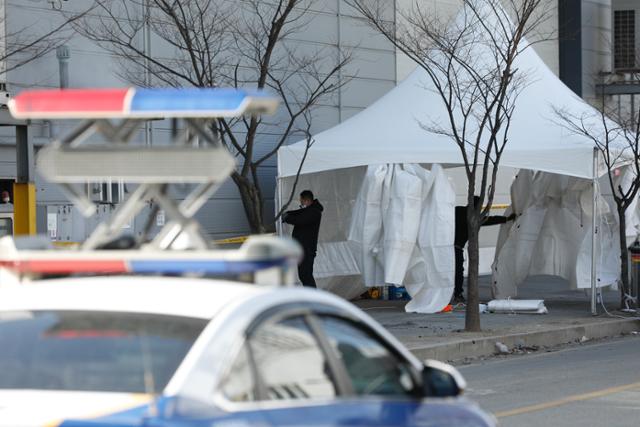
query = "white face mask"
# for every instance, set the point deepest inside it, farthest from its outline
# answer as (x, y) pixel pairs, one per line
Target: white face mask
(6, 200)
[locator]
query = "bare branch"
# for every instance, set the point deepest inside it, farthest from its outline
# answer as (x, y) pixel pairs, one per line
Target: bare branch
(209, 43)
(20, 49)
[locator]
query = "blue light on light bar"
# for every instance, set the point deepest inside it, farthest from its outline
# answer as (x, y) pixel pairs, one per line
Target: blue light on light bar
(216, 102)
(202, 266)
(213, 100)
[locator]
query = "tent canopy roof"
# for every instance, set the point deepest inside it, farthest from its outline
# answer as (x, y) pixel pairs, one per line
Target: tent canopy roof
(392, 130)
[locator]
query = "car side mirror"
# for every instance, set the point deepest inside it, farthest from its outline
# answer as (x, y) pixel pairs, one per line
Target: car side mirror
(441, 380)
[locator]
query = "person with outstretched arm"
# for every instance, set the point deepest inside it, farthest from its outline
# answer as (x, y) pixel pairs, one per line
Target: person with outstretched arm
(306, 225)
(460, 240)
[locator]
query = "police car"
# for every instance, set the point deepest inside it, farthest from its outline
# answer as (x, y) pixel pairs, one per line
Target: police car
(128, 345)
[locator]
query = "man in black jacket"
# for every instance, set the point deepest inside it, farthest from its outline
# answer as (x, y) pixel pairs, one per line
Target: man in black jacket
(306, 224)
(460, 240)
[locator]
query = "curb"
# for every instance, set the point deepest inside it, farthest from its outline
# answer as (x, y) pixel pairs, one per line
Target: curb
(486, 346)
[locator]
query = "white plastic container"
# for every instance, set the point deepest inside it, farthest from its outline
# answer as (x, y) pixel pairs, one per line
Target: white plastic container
(524, 306)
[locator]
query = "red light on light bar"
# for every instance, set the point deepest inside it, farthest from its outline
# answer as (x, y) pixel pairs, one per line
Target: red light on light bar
(66, 266)
(69, 101)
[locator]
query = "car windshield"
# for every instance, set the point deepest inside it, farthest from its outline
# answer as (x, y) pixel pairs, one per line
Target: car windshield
(92, 351)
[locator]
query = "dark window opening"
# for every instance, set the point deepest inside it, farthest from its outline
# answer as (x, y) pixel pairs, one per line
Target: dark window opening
(624, 39)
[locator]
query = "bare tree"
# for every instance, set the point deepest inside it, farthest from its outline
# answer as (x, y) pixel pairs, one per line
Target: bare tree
(211, 43)
(21, 46)
(616, 135)
(469, 64)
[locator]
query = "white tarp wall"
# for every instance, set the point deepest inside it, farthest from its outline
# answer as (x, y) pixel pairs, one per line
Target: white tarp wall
(632, 217)
(388, 224)
(553, 232)
(402, 230)
(394, 224)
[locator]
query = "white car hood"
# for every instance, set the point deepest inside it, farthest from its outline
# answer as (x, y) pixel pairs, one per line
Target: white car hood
(30, 408)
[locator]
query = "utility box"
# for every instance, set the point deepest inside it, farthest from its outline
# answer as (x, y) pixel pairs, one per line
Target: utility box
(65, 223)
(6, 220)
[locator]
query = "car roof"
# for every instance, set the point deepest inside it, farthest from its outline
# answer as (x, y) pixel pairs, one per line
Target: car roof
(174, 296)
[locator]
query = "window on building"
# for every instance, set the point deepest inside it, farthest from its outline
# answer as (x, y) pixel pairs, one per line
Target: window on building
(106, 192)
(624, 38)
(6, 225)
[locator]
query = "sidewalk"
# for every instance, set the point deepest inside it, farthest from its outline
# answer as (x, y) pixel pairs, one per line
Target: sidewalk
(442, 337)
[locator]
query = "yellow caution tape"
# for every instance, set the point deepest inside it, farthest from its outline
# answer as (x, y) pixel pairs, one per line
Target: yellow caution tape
(239, 239)
(495, 207)
(60, 244)
(231, 240)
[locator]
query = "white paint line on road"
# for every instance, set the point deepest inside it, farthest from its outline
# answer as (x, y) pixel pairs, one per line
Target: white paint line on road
(567, 400)
(479, 392)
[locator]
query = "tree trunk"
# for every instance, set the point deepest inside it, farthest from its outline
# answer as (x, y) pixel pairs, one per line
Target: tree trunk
(252, 204)
(624, 257)
(472, 316)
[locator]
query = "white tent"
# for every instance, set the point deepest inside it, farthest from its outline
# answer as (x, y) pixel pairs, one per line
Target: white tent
(391, 131)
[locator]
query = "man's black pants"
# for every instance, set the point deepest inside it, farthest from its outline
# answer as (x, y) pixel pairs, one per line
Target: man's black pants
(305, 271)
(459, 278)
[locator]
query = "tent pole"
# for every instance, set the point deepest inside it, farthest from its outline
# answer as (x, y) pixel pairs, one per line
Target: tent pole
(278, 205)
(594, 210)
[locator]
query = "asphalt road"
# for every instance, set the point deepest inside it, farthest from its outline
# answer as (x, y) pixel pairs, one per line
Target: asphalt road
(589, 385)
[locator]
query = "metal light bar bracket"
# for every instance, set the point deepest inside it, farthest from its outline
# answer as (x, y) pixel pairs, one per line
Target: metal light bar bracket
(194, 155)
(135, 164)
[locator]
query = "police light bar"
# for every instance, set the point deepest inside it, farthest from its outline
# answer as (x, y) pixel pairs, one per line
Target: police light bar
(135, 164)
(256, 254)
(117, 262)
(140, 103)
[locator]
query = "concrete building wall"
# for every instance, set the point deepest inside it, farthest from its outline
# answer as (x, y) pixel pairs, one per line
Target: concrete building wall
(442, 10)
(546, 44)
(597, 45)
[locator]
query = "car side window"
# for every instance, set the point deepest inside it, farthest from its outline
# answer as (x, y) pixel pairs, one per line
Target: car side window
(238, 386)
(290, 362)
(373, 368)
